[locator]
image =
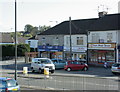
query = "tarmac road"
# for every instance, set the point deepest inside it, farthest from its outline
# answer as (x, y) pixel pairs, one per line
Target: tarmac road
(93, 79)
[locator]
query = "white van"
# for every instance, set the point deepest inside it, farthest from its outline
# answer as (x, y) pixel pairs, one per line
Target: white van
(38, 64)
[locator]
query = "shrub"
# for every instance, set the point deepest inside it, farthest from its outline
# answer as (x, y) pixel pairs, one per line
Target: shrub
(9, 49)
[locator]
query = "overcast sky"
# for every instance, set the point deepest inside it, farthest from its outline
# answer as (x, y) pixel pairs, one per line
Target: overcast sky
(50, 12)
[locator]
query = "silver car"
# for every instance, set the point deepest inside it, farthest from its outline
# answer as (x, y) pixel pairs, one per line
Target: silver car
(9, 85)
(115, 68)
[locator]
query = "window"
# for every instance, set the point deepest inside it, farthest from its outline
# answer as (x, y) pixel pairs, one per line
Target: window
(55, 41)
(29, 42)
(79, 40)
(68, 40)
(11, 83)
(95, 37)
(109, 37)
(43, 41)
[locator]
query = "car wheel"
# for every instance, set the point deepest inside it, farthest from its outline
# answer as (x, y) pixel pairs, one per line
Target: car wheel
(115, 73)
(40, 71)
(32, 69)
(68, 69)
(85, 69)
(52, 71)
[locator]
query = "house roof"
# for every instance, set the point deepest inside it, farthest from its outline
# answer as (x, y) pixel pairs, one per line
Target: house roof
(22, 39)
(33, 38)
(108, 22)
(6, 38)
(77, 27)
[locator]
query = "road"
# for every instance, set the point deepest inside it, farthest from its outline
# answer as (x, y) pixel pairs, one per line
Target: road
(59, 81)
(71, 83)
(56, 82)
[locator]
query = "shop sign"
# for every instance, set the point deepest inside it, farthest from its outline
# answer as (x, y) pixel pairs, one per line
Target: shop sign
(101, 45)
(50, 48)
(76, 49)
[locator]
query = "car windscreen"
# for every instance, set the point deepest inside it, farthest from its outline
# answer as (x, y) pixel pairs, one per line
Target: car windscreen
(46, 61)
(11, 83)
(116, 65)
(2, 84)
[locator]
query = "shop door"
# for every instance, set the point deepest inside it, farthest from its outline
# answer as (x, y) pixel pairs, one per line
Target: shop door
(101, 57)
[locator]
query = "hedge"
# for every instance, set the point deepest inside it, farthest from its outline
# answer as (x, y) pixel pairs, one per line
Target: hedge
(9, 49)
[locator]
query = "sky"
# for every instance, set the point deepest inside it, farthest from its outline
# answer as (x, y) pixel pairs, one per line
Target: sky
(50, 12)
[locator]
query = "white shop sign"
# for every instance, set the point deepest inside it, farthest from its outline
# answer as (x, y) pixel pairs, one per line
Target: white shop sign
(76, 49)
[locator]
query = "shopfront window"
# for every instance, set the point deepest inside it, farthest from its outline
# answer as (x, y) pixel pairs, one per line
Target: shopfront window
(93, 56)
(102, 56)
(110, 56)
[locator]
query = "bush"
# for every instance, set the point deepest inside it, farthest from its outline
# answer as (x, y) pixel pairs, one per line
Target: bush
(9, 49)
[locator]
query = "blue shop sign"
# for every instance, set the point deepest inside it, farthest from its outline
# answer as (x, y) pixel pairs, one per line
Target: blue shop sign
(50, 48)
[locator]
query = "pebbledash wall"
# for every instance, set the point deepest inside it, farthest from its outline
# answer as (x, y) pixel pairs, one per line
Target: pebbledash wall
(103, 47)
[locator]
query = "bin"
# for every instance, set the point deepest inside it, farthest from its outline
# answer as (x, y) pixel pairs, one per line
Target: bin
(46, 72)
(25, 70)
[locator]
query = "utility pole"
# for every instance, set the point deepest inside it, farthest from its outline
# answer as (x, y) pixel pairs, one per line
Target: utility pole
(70, 38)
(15, 40)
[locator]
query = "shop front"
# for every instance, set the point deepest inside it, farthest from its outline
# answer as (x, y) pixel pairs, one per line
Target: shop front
(77, 53)
(118, 53)
(101, 52)
(51, 52)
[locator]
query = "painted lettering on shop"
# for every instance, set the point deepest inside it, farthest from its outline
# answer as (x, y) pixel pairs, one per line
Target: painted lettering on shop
(101, 45)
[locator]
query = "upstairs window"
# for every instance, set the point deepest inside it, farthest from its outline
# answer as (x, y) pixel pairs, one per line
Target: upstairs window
(29, 42)
(68, 40)
(95, 37)
(55, 41)
(109, 37)
(43, 41)
(79, 40)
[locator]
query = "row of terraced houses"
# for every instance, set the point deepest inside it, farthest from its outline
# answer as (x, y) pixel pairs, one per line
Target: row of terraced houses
(96, 40)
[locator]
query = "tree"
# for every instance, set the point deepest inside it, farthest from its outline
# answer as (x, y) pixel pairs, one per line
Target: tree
(43, 28)
(28, 28)
(34, 31)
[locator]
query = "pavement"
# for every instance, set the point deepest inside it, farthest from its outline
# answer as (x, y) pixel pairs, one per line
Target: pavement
(8, 66)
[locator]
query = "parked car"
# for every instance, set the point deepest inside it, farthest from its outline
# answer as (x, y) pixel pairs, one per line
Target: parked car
(59, 63)
(76, 65)
(38, 64)
(115, 68)
(9, 85)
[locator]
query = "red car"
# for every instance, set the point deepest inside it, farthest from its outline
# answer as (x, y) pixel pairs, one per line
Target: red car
(75, 65)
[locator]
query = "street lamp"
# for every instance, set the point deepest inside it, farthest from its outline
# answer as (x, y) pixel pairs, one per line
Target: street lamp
(54, 21)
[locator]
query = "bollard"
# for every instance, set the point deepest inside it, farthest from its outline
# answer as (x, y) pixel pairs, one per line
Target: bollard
(46, 72)
(25, 70)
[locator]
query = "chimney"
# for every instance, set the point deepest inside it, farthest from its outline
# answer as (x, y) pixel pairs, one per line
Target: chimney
(102, 14)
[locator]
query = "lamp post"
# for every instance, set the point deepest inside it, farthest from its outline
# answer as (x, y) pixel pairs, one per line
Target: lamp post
(15, 40)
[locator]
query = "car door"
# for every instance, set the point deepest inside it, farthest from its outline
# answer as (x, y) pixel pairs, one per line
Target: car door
(77, 65)
(56, 63)
(80, 65)
(61, 63)
(74, 65)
